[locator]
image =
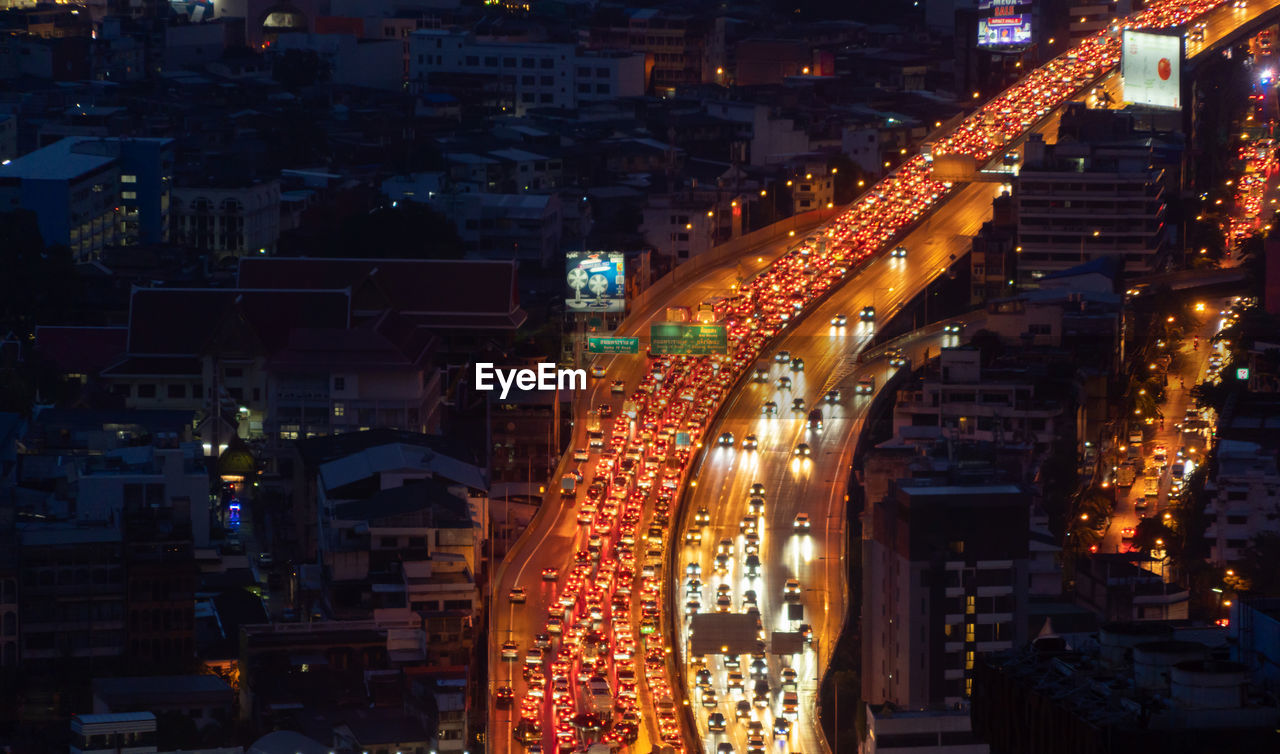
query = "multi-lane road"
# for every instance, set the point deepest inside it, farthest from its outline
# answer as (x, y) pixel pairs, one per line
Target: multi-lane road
(792, 486)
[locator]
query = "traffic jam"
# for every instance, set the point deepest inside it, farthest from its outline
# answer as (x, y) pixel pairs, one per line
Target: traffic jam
(603, 639)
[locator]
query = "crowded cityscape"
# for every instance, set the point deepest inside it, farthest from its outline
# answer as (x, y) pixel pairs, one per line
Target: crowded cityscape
(591, 377)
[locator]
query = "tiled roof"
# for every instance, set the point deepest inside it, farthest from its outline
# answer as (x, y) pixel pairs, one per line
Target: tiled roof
(86, 350)
(463, 293)
(182, 321)
(147, 366)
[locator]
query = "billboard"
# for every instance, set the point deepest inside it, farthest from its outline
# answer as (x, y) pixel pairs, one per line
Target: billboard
(687, 340)
(1005, 30)
(595, 281)
(1151, 67)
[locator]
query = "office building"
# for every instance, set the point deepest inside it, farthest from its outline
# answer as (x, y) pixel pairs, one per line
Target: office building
(1241, 498)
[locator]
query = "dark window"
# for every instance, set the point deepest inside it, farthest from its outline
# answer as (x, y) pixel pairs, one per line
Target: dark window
(473, 60)
(584, 72)
(491, 62)
(546, 80)
(526, 62)
(146, 391)
(1237, 519)
(178, 391)
(547, 63)
(457, 604)
(527, 80)
(233, 372)
(584, 89)
(527, 97)
(602, 88)
(339, 383)
(602, 73)
(509, 62)
(544, 99)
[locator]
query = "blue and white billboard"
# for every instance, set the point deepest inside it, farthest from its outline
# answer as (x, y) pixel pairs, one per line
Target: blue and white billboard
(596, 281)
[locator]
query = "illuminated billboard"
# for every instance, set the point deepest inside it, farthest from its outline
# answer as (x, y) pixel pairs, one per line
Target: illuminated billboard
(595, 280)
(1151, 67)
(1004, 31)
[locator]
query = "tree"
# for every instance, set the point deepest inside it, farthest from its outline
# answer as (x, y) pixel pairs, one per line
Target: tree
(38, 283)
(1257, 571)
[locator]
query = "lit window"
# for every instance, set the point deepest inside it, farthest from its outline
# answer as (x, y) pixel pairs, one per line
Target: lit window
(339, 409)
(968, 687)
(968, 632)
(128, 179)
(128, 194)
(968, 660)
(969, 605)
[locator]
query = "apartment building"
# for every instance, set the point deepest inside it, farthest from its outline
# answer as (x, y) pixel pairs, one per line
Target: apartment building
(960, 400)
(89, 193)
(1243, 498)
(945, 578)
(681, 49)
(1080, 200)
(538, 74)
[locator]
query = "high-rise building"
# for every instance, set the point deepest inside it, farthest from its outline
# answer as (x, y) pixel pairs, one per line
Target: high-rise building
(944, 580)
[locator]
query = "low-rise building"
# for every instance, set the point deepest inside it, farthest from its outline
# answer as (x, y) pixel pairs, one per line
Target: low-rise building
(349, 60)
(228, 220)
(1143, 687)
(205, 699)
(1118, 587)
(539, 74)
(960, 399)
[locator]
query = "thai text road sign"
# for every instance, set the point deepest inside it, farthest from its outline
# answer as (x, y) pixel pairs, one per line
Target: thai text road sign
(684, 339)
(613, 345)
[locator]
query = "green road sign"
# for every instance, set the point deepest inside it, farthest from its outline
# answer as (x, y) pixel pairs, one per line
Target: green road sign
(613, 345)
(687, 340)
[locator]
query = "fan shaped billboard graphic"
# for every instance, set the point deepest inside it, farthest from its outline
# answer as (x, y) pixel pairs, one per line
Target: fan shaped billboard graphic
(595, 280)
(1151, 66)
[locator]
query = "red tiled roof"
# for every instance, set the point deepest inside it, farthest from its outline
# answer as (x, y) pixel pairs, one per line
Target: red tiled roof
(463, 293)
(146, 366)
(182, 321)
(333, 347)
(83, 350)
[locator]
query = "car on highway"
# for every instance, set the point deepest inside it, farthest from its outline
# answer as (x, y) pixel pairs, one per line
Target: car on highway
(749, 442)
(866, 386)
(791, 590)
(516, 595)
(790, 679)
(802, 450)
(702, 517)
(815, 419)
(801, 523)
(899, 252)
(597, 372)
(784, 382)
(722, 564)
(751, 566)
(510, 650)
(782, 357)
(781, 728)
(604, 410)
(618, 386)
(868, 314)
(953, 328)
(839, 320)
(761, 374)
(504, 696)
(716, 722)
(797, 364)
(798, 404)
(770, 408)
(693, 537)
(749, 523)
(742, 710)
(550, 574)
(896, 359)
(725, 440)
(832, 396)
